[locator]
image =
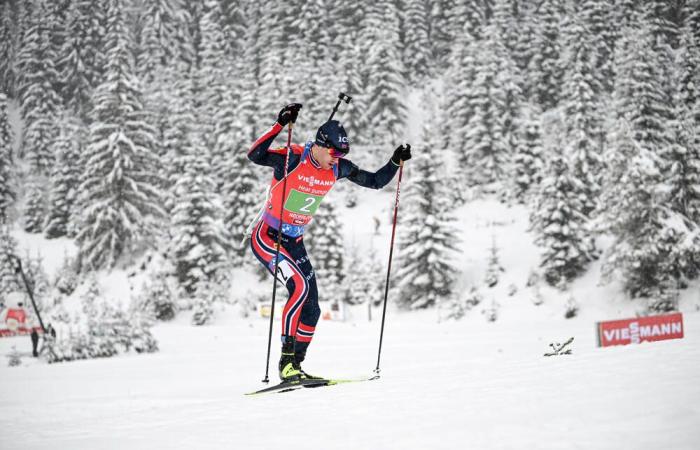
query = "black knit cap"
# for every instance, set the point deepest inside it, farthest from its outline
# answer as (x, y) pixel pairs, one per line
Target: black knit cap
(332, 135)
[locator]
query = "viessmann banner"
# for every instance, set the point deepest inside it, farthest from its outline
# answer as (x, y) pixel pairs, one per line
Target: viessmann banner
(640, 329)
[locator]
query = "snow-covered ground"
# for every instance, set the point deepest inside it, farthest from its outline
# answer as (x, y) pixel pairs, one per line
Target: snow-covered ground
(467, 384)
(444, 384)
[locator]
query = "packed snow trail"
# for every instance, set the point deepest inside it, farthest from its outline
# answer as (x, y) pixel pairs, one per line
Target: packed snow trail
(449, 385)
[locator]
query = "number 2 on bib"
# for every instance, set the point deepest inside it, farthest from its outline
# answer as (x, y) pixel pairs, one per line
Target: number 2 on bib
(302, 203)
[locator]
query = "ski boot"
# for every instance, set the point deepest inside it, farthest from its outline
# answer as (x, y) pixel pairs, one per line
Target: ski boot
(299, 357)
(289, 369)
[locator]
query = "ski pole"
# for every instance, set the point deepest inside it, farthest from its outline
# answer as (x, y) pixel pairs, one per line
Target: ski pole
(341, 98)
(277, 250)
(388, 270)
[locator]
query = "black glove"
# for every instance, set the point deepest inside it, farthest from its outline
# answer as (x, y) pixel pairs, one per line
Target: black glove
(401, 154)
(289, 114)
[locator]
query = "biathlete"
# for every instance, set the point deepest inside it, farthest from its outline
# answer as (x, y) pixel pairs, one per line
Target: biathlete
(313, 170)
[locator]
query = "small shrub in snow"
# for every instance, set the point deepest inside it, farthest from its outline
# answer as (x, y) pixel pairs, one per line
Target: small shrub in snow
(101, 332)
(662, 301)
(458, 307)
(67, 277)
(14, 359)
(537, 298)
(157, 299)
(571, 308)
(203, 308)
(491, 313)
(494, 268)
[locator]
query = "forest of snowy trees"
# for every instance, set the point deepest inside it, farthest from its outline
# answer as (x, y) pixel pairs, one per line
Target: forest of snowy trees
(137, 114)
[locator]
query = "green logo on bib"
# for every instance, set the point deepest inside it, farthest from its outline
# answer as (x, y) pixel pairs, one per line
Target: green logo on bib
(302, 203)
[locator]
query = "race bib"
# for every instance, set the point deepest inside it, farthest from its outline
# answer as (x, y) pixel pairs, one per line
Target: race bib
(302, 203)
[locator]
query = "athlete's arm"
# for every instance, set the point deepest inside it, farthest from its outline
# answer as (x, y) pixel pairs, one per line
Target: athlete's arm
(373, 180)
(260, 152)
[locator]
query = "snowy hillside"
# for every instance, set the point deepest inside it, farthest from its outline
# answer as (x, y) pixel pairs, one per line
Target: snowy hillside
(444, 383)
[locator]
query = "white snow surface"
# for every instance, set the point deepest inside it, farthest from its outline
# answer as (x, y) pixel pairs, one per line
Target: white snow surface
(444, 384)
(466, 384)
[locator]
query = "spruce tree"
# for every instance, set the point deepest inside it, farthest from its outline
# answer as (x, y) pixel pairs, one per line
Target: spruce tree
(545, 66)
(560, 224)
(416, 48)
(383, 110)
(491, 132)
(39, 101)
(35, 206)
(242, 196)
(427, 238)
(684, 155)
(120, 199)
(65, 178)
(8, 247)
(9, 31)
(200, 244)
(583, 113)
(528, 162)
(162, 22)
(634, 215)
(7, 190)
(78, 68)
(326, 248)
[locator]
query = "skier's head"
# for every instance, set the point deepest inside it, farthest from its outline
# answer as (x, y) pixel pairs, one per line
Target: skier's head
(332, 135)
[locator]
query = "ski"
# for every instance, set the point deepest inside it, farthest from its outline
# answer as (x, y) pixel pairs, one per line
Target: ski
(287, 386)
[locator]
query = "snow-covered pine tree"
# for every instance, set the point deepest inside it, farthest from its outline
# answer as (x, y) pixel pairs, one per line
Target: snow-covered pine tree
(9, 32)
(583, 118)
(686, 195)
(200, 244)
(179, 134)
(545, 69)
(234, 25)
(120, 198)
(312, 84)
(162, 22)
(326, 248)
(633, 214)
(39, 101)
(416, 47)
(77, 63)
(267, 43)
(157, 299)
(560, 225)
(242, 196)
(682, 157)
(494, 268)
(490, 134)
(383, 112)
(635, 197)
(459, 79)
(597, 16)
(66, 278)
(34, 211)
(364, 278)
(65, 177)
(8, 246)
(211, 77)
(528, 162)
(7, 189)
(427, 238)
(346, 59)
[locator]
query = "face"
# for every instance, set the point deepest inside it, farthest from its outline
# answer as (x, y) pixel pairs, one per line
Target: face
(324, 156)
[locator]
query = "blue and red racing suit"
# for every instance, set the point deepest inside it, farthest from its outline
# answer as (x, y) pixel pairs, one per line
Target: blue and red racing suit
(307, 184)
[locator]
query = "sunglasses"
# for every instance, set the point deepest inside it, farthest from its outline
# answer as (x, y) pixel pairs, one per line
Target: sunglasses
(335, 153)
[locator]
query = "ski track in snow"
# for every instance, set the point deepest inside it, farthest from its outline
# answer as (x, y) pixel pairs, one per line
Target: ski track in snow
(466, 384)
